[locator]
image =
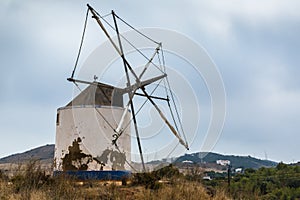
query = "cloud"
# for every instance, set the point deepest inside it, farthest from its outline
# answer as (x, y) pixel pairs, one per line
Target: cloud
(254, 43)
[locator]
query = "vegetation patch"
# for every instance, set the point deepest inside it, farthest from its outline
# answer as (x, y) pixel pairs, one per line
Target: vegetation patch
(31, 182)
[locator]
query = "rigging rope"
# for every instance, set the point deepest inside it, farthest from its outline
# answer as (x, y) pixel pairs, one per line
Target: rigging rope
(173, 100)
(105, 119)
(142, 105)
(117, 147)
(132, 45)
(176, 110)
(77, 59)
(103, 16)
(124, 157)
(137, 30)
(97, 110)
(167, 94)
(82, 38)
(169, 154)
(161, 68)
(77, 86)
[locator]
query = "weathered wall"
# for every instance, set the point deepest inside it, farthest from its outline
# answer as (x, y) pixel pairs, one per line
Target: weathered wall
(84, 139)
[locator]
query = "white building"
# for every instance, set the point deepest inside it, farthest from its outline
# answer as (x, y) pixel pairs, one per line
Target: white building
(223, 162)
(207, 178)
(85, 129)
(188, 161)
(238, 170)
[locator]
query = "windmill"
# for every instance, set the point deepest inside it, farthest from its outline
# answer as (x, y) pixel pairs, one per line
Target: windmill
(78, 140)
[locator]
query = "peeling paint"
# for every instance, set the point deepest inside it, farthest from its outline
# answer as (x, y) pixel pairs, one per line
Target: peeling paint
(82, 142)
(116, 158)
(75, 159)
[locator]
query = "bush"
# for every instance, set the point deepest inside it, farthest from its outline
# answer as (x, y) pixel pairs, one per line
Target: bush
(3, 176)
(31, 177)
(166, 172)
(149, 180)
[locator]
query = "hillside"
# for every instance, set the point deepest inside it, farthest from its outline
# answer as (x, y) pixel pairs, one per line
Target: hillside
(44, 154)
(235, 161)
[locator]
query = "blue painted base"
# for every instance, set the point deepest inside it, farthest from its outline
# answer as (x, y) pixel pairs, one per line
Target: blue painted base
(95, 175)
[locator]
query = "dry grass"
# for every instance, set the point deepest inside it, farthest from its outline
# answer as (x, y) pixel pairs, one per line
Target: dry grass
(67, 190)
(31, 183)
(180, 190)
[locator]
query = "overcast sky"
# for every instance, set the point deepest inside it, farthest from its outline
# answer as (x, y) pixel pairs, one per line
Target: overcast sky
(255, 45)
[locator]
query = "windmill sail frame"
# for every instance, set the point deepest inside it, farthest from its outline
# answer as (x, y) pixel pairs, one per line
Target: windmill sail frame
(119, 127)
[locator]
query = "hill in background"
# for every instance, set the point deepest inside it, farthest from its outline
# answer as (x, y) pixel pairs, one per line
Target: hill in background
(235, 161)
(45, 155)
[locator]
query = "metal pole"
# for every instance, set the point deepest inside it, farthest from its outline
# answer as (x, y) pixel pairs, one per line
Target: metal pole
(228, 175)
(129, 94)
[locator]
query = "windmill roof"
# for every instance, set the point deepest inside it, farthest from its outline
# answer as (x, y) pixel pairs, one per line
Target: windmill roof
(99, 94)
